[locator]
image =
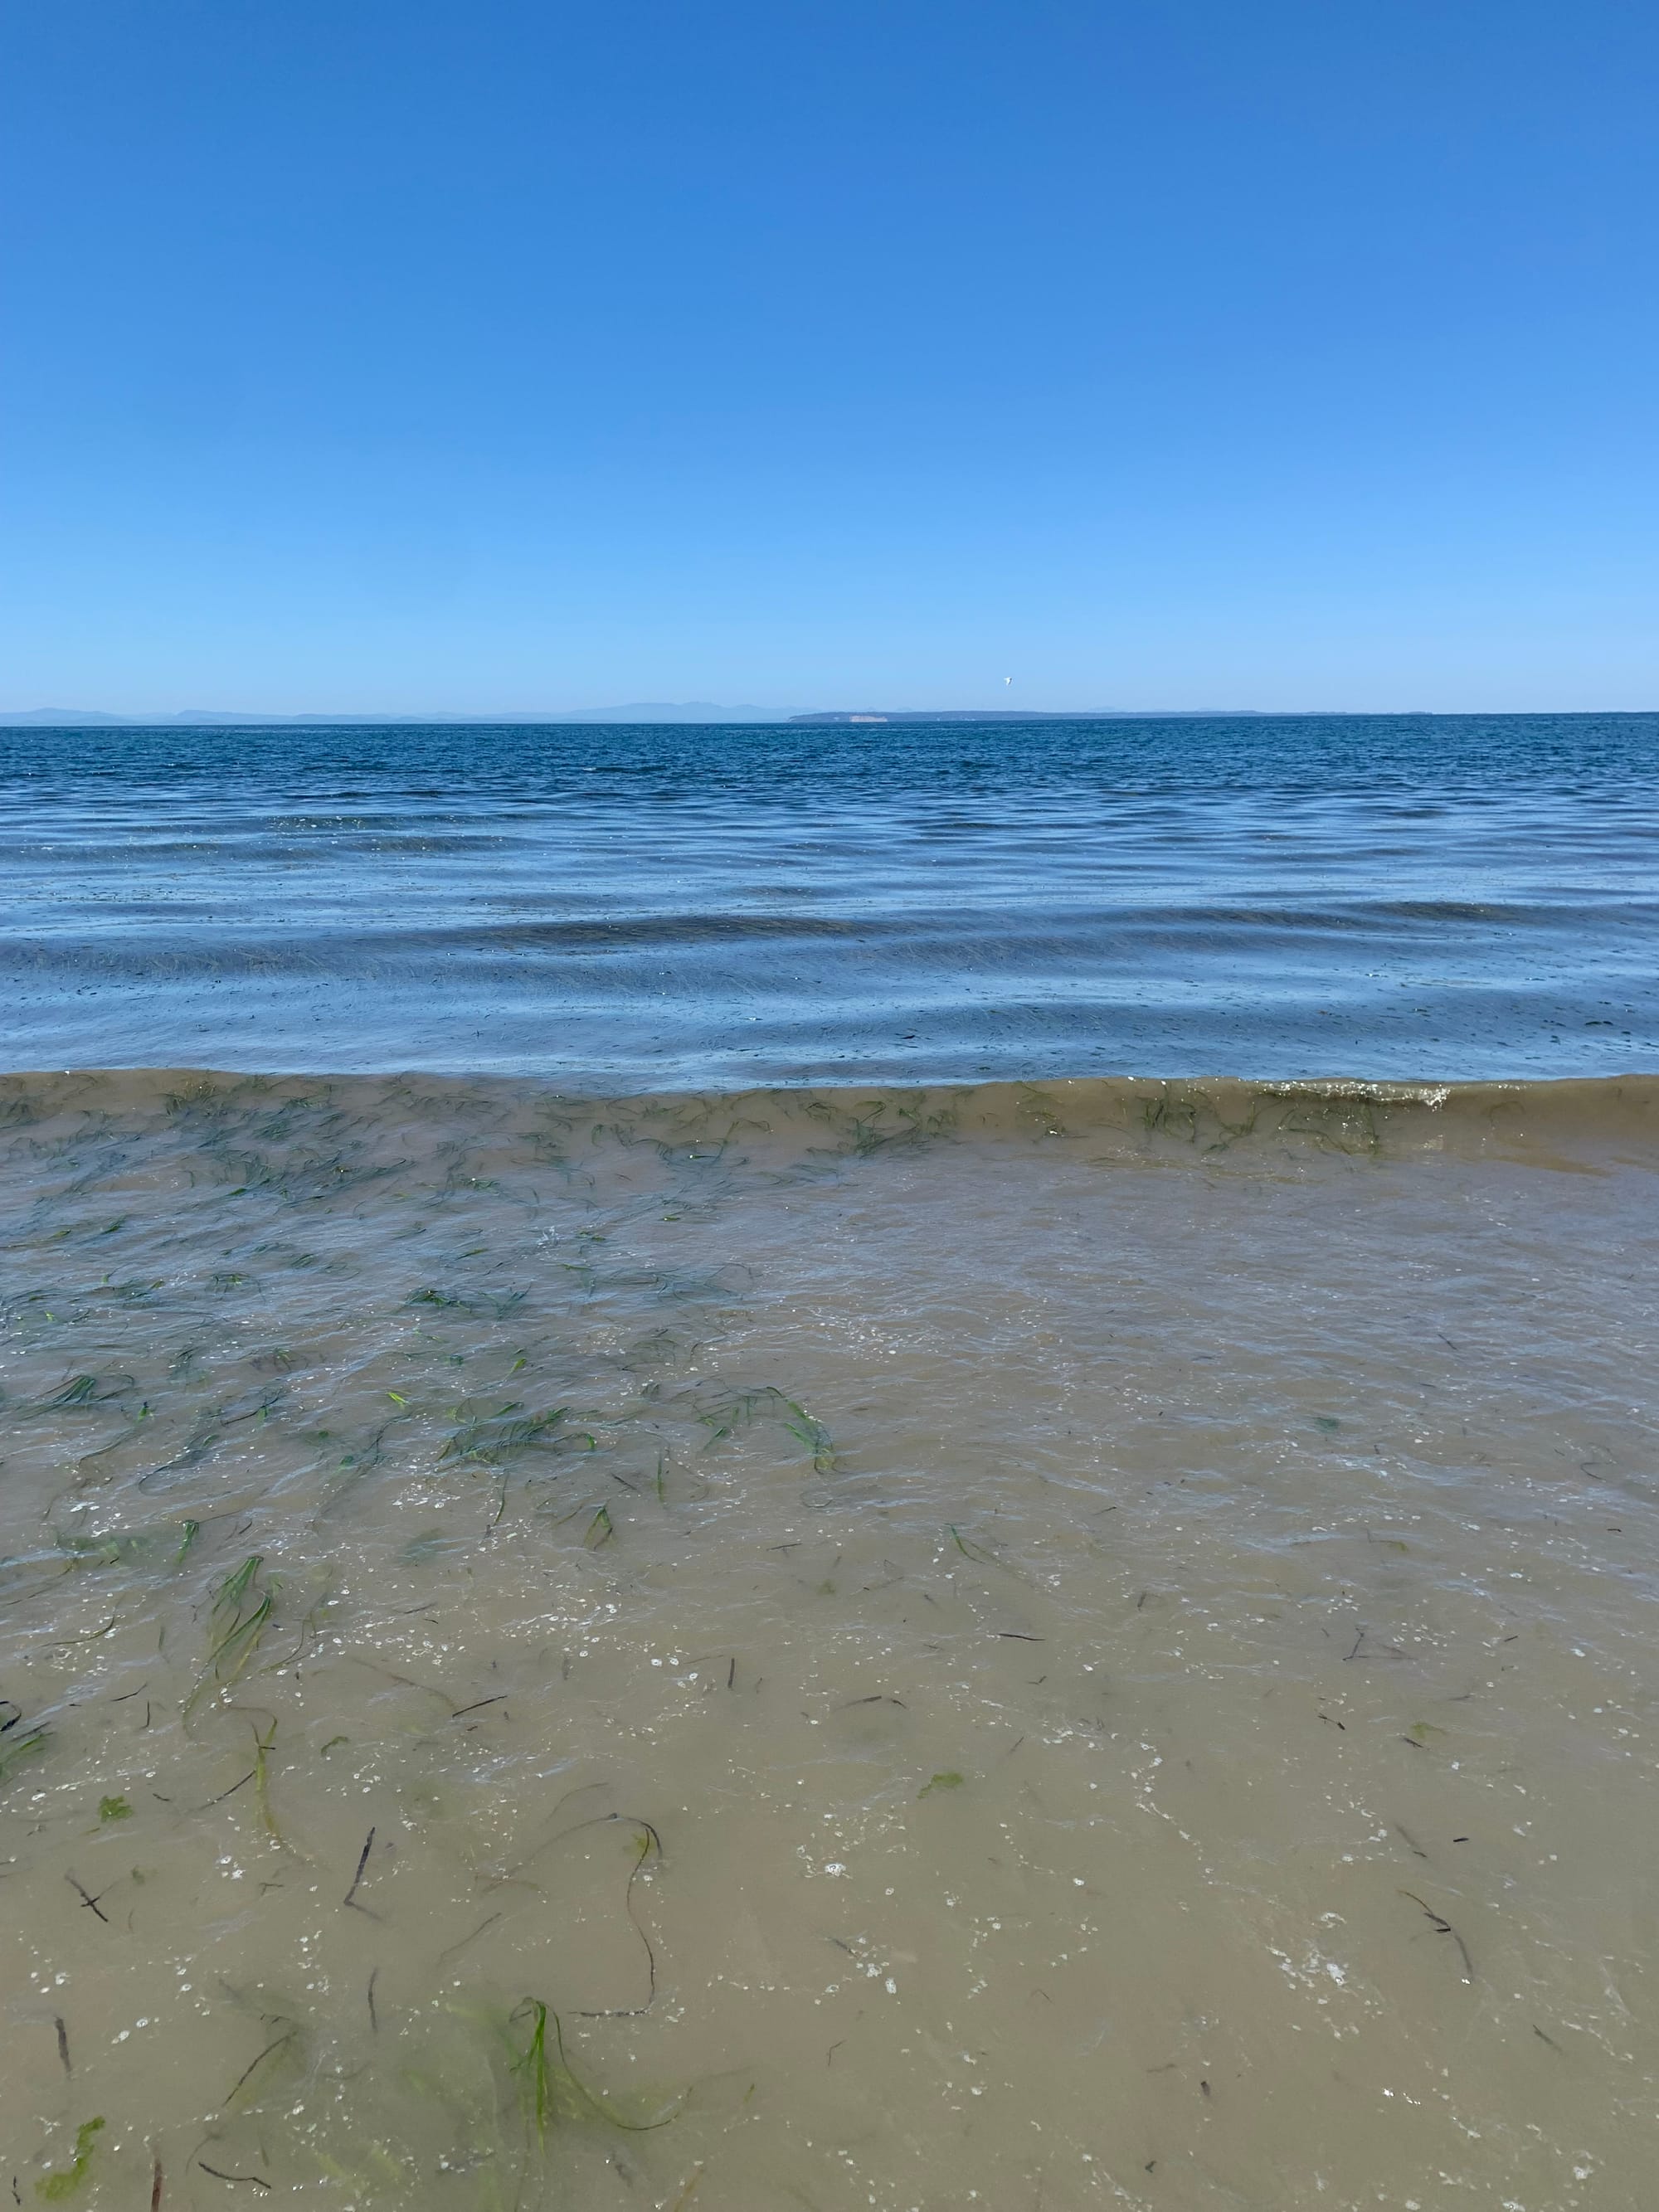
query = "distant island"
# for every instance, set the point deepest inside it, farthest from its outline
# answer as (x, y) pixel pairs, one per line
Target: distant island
(1028, 715)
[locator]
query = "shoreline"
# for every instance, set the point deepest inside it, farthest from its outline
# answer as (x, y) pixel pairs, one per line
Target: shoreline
(1213, 1115)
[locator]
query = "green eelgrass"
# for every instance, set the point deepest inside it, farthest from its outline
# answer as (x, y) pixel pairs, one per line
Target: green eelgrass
(498, 2084)
(133, 1547)
(241, 1613)
(263, 1742)
(495, 1437)
(86, 1391)
(742, 1408)
(19, 1742)
(812, 1433)
(600, 1529)
(969, 1549)
(549, 2091)
(77, 1391)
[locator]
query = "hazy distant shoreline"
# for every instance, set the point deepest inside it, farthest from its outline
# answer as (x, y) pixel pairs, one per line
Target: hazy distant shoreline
(647, 713)
(641, 713)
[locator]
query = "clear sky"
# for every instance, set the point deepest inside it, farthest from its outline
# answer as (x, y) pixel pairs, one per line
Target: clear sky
(484, 354)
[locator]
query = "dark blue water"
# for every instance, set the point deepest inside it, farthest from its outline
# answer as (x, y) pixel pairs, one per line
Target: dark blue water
(641, 907)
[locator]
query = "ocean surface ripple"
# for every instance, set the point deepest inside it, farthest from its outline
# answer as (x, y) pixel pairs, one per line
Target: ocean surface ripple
(1403, 898)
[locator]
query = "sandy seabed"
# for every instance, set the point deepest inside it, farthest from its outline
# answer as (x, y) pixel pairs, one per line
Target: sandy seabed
(1030, 1645)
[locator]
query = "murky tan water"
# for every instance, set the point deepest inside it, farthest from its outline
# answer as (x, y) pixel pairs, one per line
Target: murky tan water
(1026, 1647)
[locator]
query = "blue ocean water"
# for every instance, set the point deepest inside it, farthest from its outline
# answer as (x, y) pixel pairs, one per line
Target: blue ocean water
(668, 907)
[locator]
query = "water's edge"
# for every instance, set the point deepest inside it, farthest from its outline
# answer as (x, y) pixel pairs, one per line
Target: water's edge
(1576, 1117)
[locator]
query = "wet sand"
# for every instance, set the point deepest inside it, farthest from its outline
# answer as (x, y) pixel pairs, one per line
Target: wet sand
(1035, 1646)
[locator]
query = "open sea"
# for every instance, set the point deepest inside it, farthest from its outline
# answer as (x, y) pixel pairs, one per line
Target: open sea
(763, 1468)
(671, 908)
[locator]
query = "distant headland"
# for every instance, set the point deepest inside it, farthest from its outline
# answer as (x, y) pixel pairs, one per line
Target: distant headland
(1028, 715)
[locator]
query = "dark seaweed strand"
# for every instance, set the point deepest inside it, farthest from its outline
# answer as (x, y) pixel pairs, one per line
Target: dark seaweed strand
(650, 1839)
(87, 1899)
(598, 2103)
(362, 1861)
(241, 2078)
(1443, 1927)
(453, 1948)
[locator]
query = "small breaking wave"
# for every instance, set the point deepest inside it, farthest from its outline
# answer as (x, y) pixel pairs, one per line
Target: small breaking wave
(1570, 1121)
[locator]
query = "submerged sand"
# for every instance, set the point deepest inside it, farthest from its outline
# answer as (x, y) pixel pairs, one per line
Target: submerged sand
(1028, 1645)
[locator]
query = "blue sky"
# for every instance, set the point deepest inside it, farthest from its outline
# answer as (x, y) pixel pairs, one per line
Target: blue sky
(491, 354)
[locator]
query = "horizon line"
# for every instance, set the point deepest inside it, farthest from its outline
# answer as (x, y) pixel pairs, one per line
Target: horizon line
(669, 712)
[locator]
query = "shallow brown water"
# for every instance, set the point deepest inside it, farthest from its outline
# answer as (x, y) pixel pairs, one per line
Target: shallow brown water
(1027, 1647)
